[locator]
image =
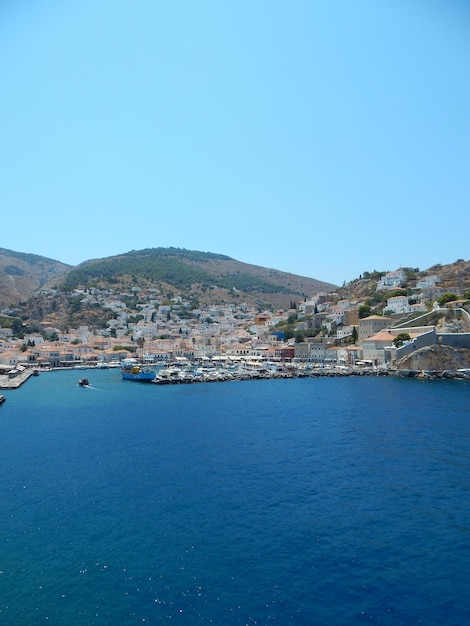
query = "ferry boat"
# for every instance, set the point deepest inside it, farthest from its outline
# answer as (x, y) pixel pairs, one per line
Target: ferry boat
(131, 370)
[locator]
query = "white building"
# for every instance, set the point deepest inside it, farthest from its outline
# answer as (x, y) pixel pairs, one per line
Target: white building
(427, 282)
(399, 304)
(344, 331)
(391, 280)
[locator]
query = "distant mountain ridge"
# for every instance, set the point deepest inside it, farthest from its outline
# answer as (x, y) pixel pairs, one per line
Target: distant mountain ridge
(22, 275)
(204, 275)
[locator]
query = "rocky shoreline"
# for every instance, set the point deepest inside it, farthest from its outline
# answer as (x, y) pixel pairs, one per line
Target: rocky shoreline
(435, 375)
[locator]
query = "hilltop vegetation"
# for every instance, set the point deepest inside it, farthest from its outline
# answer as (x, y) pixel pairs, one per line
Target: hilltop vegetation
(195, 272)
(154, 266)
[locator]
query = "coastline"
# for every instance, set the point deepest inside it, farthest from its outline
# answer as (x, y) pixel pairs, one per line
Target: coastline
(191, 373)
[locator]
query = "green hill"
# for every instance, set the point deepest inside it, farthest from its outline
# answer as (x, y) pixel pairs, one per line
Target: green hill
(202, 274)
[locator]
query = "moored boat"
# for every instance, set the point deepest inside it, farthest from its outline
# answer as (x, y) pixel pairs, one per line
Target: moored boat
(131, 370)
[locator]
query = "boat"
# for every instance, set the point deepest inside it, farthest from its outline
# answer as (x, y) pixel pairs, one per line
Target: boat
(2, 398)
(83, 382)
(131, 370)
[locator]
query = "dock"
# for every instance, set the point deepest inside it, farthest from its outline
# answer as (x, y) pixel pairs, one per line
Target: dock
(13, 382)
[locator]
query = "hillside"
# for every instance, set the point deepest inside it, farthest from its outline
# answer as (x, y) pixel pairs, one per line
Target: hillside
(21, 275)
(453, 278)
(202, 275)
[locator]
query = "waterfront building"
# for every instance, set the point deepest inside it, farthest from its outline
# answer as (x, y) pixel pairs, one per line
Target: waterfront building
(371, 325)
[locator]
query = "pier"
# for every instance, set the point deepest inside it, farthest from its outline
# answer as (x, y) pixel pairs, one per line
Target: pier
(14, 380)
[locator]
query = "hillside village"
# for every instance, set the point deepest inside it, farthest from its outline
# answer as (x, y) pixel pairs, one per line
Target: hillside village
(324, 330)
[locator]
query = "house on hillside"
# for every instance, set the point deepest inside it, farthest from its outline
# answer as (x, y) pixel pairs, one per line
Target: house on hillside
(432, 293)
(427, 282)
(391, 280)
(262, 319)
(398, 304)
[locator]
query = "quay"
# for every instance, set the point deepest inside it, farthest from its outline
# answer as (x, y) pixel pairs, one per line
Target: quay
(9, 381)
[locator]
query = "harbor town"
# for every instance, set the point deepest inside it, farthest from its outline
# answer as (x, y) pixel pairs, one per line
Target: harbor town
(183, 343)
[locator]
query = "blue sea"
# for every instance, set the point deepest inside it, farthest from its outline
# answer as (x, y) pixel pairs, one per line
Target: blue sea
(302, 501)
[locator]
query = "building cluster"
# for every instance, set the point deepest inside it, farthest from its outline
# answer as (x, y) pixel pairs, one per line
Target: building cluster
(156, 329)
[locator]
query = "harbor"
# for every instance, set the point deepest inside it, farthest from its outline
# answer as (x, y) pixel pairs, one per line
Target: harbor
(209, 372)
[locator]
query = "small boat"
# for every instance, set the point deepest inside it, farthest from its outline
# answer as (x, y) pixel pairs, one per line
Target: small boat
(83, 382)
(2, 398)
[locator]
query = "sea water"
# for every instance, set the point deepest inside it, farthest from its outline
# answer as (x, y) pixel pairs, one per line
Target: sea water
(303, 501)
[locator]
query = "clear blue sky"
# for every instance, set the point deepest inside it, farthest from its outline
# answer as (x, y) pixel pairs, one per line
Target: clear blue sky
(323, 138)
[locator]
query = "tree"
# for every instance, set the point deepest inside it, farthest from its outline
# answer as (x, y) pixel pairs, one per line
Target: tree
(447, 297)
(354, 335)
(292, 318)
(400, 339)
(364, 311)
(16, 326)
